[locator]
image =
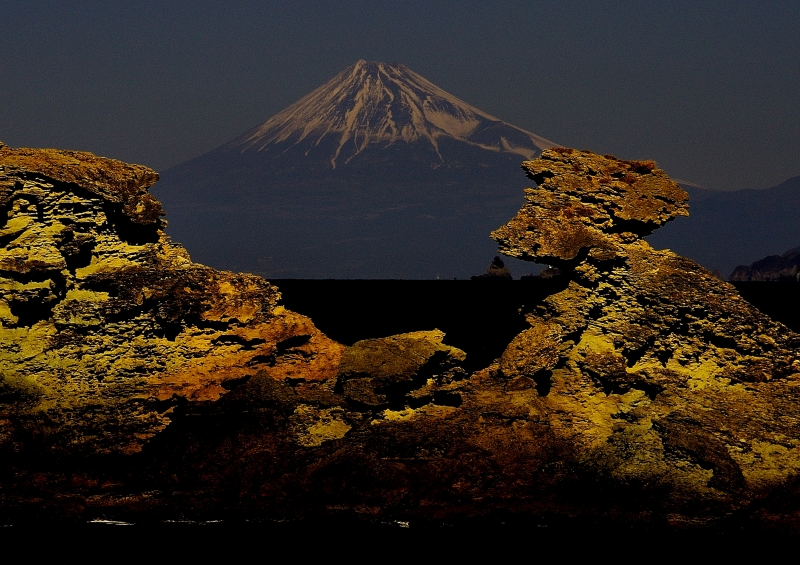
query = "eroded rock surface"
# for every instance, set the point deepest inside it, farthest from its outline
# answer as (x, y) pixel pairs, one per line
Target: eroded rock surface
(106, 324)
(382, 372)
(660, 373)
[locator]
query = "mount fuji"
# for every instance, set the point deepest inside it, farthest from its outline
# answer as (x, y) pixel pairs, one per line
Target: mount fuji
(378, 173)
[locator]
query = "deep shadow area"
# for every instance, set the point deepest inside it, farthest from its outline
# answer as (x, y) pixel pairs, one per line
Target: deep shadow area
(778, 300)
(248, 466)
(480, 317)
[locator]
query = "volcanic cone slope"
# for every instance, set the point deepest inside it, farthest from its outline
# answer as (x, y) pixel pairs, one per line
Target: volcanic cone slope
(378, 173)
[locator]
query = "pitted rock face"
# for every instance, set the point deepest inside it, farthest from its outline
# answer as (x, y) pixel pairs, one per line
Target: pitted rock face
(591, 203)
(105, 324)
(381, 372)
(658, 369)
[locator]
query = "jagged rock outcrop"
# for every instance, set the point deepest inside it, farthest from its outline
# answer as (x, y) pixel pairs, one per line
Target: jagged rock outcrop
(138, 385)
(380, 372)
(784, 267)
(657, 372)
(105, 324)
(496, 270)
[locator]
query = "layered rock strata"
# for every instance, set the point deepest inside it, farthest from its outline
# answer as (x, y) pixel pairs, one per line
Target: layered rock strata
(645, 390)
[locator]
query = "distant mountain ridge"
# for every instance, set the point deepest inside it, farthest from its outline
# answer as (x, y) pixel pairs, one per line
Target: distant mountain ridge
(378, 173)
(726, 229)
(785, 267)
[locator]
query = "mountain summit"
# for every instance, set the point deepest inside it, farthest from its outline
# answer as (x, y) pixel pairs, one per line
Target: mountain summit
(380, 104)
(378, 173)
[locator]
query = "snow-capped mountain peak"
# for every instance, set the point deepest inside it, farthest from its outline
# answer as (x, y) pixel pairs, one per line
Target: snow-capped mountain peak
(380, 104)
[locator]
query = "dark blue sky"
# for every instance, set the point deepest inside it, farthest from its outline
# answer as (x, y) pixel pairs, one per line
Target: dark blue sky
(710, 90)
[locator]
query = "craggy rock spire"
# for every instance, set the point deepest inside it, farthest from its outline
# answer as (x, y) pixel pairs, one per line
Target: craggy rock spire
(588, 203)
(662, 373)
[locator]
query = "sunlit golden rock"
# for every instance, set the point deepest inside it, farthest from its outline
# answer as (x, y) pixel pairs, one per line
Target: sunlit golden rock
(105, 324)
(665, 375)
(373, 371)
(588, 203)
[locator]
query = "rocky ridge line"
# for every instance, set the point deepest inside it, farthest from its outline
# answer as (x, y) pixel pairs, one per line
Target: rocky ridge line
(660, 371)
(784, 267)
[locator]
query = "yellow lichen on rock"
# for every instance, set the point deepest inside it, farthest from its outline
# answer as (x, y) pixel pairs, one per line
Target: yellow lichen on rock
(643, 387)
(316, 426)
(103, 320)
(372, 369)
(663, 370)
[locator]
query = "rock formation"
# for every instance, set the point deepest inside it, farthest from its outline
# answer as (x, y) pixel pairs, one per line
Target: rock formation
(142, 386)
(784, 267)
(657, 372)
(106, 323)
(496, 270)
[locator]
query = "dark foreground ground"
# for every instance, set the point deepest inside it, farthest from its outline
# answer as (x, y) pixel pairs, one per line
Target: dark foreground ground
(479, 317)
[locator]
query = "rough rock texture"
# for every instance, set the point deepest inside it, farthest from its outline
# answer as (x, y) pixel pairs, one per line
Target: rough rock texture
(381, 372)
(105, 323)
(140, 386)
(784, 267)
(589, 204)
(657, 372)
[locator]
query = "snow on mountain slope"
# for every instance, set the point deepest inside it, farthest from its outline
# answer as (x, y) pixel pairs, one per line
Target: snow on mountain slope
(372, 103)
(378, 173)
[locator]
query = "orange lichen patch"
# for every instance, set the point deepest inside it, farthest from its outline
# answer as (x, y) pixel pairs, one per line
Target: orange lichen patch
(288, 346)
(302, 351)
